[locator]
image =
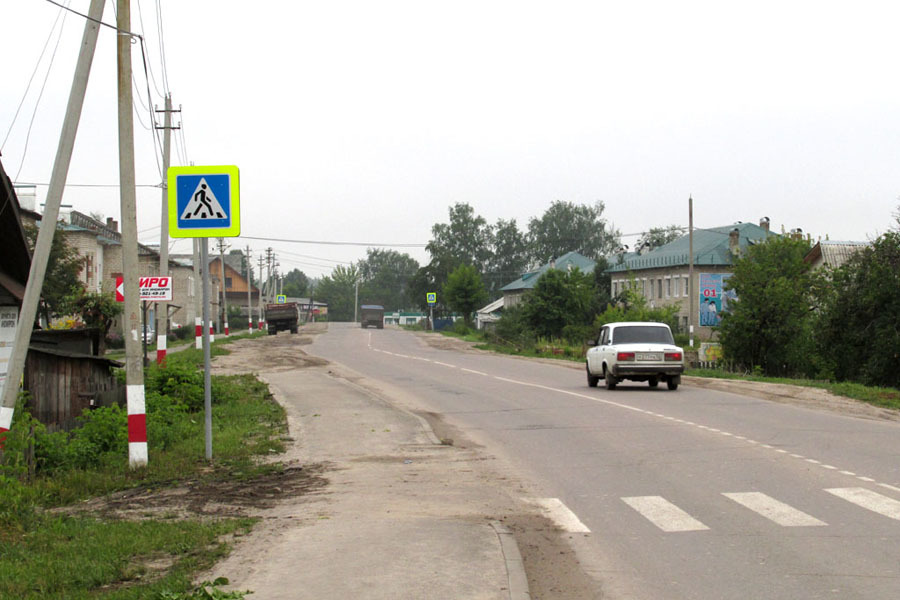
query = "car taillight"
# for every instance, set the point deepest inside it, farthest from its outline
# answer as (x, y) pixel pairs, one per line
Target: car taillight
(625, 356)
(673, 356)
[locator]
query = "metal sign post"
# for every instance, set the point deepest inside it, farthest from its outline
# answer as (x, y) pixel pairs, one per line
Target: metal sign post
(204, 202)
(431, 297)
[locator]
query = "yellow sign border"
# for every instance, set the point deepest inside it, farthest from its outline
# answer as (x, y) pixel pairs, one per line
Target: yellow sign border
(234, 202)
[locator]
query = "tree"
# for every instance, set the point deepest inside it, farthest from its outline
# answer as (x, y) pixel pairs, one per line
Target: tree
(96, 310)
(338, 290)
(560, 300)
(660, 236)
(857, 329)
(464, 291)
(466, 238)
(567, 227)
(385, 278)
(296, 284)
(61, 279)
(770, 324)
(509, 256)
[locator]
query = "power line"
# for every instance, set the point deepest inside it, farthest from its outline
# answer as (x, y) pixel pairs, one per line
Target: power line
(326, 243)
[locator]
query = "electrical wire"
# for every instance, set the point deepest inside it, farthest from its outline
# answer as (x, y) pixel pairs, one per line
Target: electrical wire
(41, 94)
(31, 79)
(325, 243)
(144, 30)
(162, 48)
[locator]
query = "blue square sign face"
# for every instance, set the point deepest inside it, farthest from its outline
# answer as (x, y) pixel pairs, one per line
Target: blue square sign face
(203, 202)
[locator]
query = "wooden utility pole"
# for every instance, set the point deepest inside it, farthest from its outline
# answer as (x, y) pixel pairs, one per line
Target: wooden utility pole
(134, 367)
(224, 285)
(249, 293)
(10, 390)
(162, 308)
(691, 269)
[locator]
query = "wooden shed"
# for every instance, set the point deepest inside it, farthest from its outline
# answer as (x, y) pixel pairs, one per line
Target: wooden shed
(64, 384)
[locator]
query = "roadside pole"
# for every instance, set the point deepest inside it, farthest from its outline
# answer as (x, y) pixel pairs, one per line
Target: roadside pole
(134, 366)
(38, 269)
(224, 285)
(198, 298)
(691, 269)
(249, 294)
(162, 308)
(260, 306)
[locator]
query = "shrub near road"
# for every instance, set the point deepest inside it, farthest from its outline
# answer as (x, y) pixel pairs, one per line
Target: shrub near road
(147, 542)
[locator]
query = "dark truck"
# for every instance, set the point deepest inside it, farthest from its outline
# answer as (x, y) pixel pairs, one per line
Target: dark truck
(282, 317)
(372, 314)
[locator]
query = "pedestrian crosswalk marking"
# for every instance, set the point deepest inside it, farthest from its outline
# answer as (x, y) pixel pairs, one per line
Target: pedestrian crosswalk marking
(664, 514)
(774, 510)
(203, 204)
(870, 500)
(560, 514)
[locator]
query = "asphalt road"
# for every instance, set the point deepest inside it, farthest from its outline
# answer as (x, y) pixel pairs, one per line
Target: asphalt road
(689, 494)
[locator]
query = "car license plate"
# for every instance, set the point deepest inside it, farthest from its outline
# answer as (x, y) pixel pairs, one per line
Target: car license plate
(648, 356)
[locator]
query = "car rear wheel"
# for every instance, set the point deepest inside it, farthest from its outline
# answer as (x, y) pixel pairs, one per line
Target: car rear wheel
(593, 380)
(611, 381)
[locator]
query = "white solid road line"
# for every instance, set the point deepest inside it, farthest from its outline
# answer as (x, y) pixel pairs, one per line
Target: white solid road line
(559, 513)
(776, 511)
(870, 500)
(664, 514)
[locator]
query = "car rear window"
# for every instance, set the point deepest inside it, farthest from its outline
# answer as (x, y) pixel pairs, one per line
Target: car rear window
(638, 334)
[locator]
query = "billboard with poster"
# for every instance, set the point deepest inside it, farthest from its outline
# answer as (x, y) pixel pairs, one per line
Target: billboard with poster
(714, 298)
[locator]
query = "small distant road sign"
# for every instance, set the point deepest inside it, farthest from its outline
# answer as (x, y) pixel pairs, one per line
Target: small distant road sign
(280, 299)
(153, 289)
(431, 297)
(204, 201)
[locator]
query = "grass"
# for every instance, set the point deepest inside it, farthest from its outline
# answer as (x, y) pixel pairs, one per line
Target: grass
(73, 558)
(45, 555)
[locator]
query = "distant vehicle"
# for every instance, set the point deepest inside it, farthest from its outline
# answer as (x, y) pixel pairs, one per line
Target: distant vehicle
(637, 351)
(283, 317)
(372, 315)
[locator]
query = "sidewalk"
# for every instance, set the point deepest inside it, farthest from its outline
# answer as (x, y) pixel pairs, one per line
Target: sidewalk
(403, 516)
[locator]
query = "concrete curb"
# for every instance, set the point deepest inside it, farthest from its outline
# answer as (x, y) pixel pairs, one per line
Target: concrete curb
(515, 568)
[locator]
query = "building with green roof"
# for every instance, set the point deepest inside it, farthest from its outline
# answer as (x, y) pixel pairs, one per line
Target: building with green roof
(513, 292)
(661, 275)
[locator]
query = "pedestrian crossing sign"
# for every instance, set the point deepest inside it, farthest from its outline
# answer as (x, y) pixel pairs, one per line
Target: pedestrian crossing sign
(204, 201)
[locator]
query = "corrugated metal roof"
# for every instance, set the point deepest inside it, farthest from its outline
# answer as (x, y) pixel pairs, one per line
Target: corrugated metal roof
(711, 248)
(835, 253)
(571, 259)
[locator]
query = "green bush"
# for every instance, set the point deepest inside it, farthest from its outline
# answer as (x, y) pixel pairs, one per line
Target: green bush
(103, 431)
(179, 380)
(16, 504)
(460, 327)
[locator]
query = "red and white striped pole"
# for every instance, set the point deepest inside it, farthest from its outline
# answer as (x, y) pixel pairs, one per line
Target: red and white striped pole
(161, 348)
(227, 333)
(6, 415)
(212, 333)
(137, 425)
(198, 333)
(250, 324)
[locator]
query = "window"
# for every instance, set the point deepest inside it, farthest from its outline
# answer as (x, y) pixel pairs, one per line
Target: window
(659, 288)
(677, 285)
(227, 282)
(668, 287)
(684, 292)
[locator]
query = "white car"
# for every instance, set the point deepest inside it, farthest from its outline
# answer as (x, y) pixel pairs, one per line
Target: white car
(637, 351)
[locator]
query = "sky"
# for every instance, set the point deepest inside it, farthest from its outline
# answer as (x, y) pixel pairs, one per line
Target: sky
(362, 122)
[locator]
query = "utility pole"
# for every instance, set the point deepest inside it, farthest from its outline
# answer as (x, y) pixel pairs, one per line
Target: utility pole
(268, 276)
(9, 390)
(198, 295)
(261, 317)
(249, 293)
(134, 368)
(691, 269)
(162, 308)
(356, 302)
(224, 285)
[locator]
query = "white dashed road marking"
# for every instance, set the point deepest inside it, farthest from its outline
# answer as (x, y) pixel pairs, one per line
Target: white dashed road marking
(664, 514)
(776, 511)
